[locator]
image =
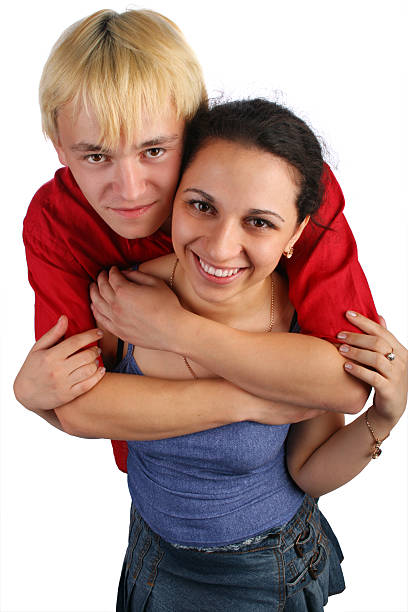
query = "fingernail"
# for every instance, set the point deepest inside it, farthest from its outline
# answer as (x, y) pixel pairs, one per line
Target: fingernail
(99, 332)
(351, 313)
(97, 361)
(342, 335)
(99, 351)
(344, 348)
(348, 366)
(102, 370)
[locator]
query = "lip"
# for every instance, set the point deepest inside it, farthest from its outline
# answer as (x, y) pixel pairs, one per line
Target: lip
(217, 280)
(132, 213)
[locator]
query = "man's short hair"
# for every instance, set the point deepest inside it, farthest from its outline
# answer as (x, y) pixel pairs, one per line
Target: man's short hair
(122, 66)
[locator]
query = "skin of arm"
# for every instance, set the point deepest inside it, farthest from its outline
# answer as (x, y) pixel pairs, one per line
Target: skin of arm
(59, 374)
(196, 405)
(323, 455)
(315, 378)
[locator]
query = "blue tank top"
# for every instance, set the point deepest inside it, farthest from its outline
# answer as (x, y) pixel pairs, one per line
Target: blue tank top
(214, 487)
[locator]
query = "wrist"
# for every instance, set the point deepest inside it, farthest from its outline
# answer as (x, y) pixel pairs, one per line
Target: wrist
(186, 331)
(381, 424)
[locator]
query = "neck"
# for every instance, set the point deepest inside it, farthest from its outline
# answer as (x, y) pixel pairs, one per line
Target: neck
(249, 310)
(166, 226)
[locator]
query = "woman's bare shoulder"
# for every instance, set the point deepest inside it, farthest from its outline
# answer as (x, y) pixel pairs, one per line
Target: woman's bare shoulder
(160, 266)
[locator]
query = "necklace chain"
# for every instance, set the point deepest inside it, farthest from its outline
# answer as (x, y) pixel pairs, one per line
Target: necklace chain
(267, 330)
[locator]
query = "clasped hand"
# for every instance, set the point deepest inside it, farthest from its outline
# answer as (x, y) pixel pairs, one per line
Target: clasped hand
(138, 308)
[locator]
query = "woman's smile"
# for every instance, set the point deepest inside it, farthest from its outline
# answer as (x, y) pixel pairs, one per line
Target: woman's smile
(216, 274)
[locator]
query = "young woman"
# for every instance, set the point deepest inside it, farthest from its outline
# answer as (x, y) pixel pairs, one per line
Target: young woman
(220, 518)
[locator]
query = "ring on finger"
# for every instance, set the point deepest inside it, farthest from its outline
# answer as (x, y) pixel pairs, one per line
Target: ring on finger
(390, 356)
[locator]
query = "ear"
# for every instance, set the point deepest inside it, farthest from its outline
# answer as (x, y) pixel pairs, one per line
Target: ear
(60, 152)
(291, 243)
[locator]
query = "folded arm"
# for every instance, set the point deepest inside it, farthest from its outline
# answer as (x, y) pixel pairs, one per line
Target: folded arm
(151, 408)
(282, 367)
(67, 387)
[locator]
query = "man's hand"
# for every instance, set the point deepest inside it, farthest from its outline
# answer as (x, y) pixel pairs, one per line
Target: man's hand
(54, 372)
(138, 308)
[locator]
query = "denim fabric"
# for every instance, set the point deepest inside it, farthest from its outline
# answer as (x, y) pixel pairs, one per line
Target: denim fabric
(294, 569)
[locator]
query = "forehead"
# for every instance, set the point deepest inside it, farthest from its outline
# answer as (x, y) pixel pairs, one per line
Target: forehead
(230, 170)
(81, 126)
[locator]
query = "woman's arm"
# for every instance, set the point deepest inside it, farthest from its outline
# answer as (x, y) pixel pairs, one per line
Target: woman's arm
(301, 370)
(323, 454)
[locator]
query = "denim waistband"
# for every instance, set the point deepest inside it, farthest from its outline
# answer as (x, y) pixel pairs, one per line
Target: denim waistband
(303, 515)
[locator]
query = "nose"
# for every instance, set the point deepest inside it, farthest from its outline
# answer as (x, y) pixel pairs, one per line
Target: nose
(224, 242)
(129, 179)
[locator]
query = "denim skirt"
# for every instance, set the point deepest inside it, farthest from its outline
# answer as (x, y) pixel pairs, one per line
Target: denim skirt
(293, 569)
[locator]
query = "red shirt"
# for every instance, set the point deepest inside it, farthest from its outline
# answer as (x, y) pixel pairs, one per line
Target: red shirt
(68, 244)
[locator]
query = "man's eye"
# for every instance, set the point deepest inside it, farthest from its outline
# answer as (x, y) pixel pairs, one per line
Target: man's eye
(96, 158)
(154, 152)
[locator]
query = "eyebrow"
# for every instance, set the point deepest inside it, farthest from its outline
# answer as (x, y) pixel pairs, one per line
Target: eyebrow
(258, 211)
(153, 142)
(206, 195)
(87, 146)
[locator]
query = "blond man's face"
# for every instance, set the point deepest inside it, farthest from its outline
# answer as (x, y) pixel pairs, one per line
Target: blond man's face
(132, 186)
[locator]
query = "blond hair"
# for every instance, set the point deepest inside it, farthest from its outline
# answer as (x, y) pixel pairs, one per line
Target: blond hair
(121, 66)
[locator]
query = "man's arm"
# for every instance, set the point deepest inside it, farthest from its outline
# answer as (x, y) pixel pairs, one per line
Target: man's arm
(282, 367)
(127, 407)
(325, 276)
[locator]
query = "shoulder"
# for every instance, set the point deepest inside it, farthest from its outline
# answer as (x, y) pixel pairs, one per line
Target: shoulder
(56, 203)
(161, 267)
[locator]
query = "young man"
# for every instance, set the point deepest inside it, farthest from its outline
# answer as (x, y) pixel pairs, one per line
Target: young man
(115, 94)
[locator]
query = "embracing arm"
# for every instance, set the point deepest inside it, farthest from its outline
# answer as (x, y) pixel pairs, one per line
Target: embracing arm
(58, 381)
(323, 454)
(299, 369)
(282, 367)
(151, 408)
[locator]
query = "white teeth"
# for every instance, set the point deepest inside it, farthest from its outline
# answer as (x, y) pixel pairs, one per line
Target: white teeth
(217, 271)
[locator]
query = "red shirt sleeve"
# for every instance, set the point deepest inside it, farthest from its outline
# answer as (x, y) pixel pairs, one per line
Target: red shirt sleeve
(61, 286)
(325, 277)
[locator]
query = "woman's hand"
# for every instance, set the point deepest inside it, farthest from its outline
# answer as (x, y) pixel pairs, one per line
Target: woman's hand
(138, 308)
(389, 377)
(55, 373)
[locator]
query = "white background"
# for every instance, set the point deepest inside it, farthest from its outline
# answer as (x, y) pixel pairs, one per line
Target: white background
(341, 65)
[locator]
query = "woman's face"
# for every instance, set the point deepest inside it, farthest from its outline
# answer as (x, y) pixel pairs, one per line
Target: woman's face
(234, 214)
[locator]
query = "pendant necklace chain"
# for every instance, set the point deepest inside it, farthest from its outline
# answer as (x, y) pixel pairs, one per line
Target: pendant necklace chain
(267, 330)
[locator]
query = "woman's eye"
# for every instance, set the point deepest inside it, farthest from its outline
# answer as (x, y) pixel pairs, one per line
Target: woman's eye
(96, 158)
(261, 223)
(201, 206)
(154, 152)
